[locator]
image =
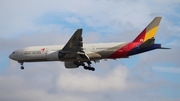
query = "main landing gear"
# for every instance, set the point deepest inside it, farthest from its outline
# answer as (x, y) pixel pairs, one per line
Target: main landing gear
(22, 67)
(85, 67)
(89, 68)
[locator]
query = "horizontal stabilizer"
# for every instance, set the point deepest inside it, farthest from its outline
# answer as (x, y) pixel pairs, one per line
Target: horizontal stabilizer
(147, 43)
(164, 48)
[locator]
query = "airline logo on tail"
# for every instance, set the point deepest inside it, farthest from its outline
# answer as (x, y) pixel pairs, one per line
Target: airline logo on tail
(142, 43)
(149, 32)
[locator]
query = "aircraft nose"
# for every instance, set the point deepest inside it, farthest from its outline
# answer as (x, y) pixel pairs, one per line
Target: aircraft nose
(10, 56)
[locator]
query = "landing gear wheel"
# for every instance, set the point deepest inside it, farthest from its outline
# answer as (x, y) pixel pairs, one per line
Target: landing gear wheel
(93, 69)
(89, 68)
(86, 68)
(22, 67)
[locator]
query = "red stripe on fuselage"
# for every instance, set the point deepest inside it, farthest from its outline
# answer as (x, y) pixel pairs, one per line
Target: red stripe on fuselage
(122, 52)
(140, 37)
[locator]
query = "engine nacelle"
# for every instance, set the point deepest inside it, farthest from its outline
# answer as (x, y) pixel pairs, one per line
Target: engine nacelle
(55, 55)
(70, 65)
(61, 54)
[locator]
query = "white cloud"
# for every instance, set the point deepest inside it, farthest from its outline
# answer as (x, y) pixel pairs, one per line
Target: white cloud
(170, 56)
(51, 81)
(72, 20)
(18, 16)
(167, 69)
(86, 82)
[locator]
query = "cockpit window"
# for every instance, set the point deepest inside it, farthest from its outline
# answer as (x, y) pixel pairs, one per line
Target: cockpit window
(13, 52)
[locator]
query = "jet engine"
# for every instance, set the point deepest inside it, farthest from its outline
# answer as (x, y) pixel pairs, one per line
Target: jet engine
(70, 65)
(52, 55)
(61, 54)
(55, 55)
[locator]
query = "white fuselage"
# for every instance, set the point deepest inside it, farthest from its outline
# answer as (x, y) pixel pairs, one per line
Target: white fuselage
(50, 53)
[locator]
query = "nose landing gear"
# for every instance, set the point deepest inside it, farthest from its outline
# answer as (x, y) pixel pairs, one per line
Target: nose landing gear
(22, 67)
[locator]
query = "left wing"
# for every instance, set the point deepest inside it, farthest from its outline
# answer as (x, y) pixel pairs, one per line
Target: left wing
(75, 43)
(74, 47)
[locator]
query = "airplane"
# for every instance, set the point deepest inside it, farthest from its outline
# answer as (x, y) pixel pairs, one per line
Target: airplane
(75, 53)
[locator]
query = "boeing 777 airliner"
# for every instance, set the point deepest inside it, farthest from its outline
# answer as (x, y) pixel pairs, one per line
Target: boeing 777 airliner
(75, 53)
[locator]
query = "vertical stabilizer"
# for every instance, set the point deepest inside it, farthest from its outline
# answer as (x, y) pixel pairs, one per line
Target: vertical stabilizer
(149, 32)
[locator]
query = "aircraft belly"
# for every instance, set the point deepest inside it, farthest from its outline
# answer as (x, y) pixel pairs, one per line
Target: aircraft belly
(72, 59)
(100, 55)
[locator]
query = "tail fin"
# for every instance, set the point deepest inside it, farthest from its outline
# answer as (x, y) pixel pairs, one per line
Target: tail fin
(149, 32)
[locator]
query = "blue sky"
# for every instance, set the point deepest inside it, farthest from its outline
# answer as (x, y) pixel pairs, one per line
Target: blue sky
(151, 76)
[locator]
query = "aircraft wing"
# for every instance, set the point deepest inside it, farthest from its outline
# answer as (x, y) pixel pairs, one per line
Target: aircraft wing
(75, 43)
(74, 47)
